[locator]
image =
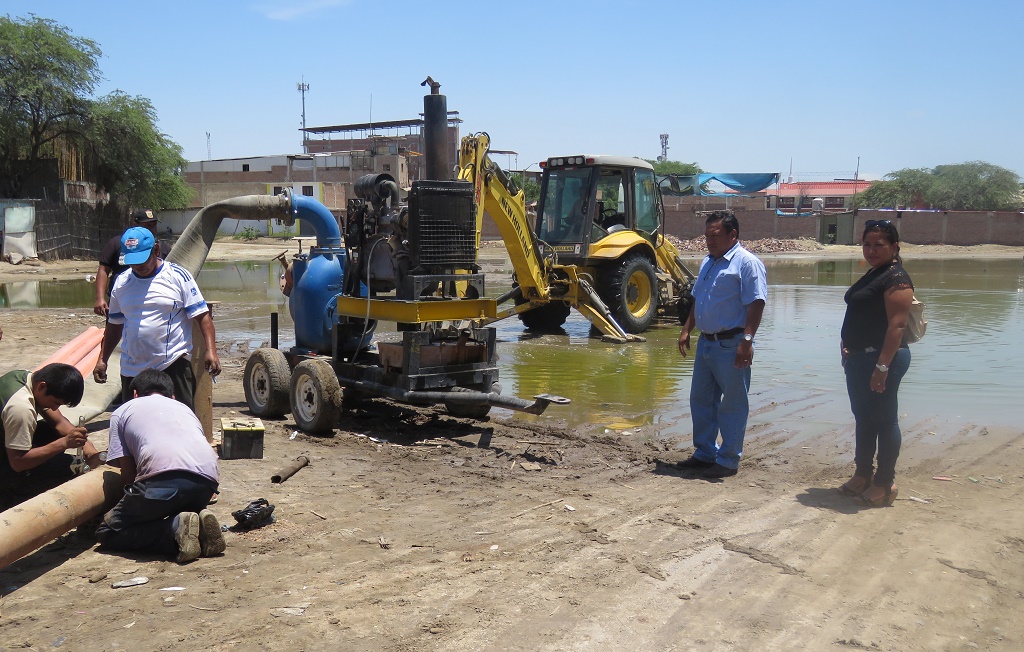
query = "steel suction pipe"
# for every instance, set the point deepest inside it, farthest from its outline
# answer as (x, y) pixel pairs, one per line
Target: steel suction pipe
(328, 233)
(36, 522)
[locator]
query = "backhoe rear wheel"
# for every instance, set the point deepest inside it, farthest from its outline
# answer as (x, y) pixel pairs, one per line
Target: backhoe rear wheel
(630, 291)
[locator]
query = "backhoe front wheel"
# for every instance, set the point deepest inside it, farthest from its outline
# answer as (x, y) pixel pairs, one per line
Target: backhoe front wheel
(630, 291)
(548, 318)
(315, 396)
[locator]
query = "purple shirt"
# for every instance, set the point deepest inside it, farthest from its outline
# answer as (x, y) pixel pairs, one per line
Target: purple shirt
(161, 435)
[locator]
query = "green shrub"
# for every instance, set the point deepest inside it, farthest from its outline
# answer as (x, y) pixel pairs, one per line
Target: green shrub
(248, 234)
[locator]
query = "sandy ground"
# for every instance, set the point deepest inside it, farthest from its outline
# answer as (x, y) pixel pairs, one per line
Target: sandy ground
(414, 530)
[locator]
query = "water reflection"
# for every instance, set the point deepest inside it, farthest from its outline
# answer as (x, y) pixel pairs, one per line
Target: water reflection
(966, 369)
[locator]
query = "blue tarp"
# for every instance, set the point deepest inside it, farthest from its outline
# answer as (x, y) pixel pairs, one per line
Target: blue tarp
(742, 182)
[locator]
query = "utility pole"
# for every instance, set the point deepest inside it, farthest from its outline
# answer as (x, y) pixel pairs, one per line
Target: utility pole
(664, 148)
(302, 87)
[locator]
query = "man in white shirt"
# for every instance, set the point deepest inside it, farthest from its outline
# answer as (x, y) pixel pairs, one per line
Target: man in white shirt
(151, 312)
(169, 472)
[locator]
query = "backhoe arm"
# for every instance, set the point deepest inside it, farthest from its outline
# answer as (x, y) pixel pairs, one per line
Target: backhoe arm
(537, 276)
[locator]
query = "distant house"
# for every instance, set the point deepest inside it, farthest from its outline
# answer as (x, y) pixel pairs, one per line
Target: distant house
(798, 197)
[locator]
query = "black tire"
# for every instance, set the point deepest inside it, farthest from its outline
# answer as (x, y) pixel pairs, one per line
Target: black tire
(315, 396)
(470, 411)
(630, 291)
(266, 383)
(685, 304)
(547, 318)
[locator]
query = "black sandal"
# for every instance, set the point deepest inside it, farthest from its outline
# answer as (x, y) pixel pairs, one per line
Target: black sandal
(848, 490)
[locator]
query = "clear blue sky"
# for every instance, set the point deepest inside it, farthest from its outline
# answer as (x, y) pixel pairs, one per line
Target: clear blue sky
(743, 86)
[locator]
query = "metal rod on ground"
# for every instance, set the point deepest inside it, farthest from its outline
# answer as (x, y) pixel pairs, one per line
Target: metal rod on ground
(39, 520)
(290, 470)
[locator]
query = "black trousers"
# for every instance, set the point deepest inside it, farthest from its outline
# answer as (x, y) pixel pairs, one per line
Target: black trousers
(18, 486)
(144, 518)
(181, 375)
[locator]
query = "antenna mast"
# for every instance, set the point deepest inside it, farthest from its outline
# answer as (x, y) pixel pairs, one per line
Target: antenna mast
(303, 87)
(664, 148)
(209, 155)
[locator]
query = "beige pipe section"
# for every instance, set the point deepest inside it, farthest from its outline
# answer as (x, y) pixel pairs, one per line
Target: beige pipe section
(36, 522)
(193, 246)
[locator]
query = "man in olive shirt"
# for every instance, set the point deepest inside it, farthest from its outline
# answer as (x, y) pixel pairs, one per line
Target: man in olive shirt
(34, 459)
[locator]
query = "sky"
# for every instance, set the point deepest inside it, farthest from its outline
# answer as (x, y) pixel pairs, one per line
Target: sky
(821, 89)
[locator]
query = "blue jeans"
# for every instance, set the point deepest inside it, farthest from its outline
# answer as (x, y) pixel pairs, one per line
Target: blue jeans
(144, 518)
(877, 415)
(718, 402)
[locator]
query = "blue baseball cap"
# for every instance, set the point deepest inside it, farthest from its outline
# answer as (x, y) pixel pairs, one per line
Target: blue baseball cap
(136, 245)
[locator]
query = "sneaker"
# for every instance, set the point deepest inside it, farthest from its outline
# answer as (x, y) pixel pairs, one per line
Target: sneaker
(211, 539)
(693, 463)
(718, 471)
(186, 535)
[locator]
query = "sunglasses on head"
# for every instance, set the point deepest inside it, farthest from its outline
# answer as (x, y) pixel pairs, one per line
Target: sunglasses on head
(882, 224)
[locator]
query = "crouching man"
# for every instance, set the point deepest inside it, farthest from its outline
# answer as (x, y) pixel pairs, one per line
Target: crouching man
(36, 435)
(169, 472)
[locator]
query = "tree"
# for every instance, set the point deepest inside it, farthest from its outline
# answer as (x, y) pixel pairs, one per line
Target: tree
(972, 186)
(975, 186)
(47, 78)
(663, 168)
(904, 188)
(130, 158)
(46, 74)
(529, 187)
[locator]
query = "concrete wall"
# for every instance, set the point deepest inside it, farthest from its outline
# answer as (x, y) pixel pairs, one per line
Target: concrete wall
(947, 227)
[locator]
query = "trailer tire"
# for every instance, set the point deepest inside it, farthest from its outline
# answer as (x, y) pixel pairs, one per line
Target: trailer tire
(315, 396)
(470, 411)
(547, 318)
(265, 381)
(630, 290)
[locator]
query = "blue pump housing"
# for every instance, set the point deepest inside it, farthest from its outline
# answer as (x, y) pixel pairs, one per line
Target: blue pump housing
(318, 278)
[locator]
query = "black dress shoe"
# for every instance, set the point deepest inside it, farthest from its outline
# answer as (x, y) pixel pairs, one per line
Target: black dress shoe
(693, 463)
(719, 471)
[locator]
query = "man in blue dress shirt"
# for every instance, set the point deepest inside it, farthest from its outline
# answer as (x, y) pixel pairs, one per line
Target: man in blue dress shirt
(729, 296)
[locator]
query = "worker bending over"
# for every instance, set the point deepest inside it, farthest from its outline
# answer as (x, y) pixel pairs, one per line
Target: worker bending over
(169, 472)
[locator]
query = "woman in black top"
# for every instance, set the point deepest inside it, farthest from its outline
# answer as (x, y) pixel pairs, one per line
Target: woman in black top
(875, 358)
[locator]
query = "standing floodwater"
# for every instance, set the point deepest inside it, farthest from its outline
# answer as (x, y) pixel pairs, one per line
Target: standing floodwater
(966, 370)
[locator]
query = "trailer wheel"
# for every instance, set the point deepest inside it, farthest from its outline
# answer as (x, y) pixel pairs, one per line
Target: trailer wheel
(266, 383)
(630, 290)
(315, 396)
(470, 411)
(547, 318)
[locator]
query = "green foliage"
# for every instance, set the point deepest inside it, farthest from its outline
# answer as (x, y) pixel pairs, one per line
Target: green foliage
(130, 158)
(47, 78)
(46, 74)
(663, 168)
(529, 187)
(248, 234)
(972, 186)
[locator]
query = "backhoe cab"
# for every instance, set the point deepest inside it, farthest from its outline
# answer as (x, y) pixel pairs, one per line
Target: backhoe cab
(603, 214)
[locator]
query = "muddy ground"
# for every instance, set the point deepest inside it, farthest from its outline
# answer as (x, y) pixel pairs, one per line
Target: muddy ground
(414, 530)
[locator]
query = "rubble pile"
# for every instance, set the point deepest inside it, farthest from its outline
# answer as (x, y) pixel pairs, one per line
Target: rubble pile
(698, 245)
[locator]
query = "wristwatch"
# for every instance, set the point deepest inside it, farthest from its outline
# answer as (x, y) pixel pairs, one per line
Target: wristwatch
(883, 368)
(747, 337)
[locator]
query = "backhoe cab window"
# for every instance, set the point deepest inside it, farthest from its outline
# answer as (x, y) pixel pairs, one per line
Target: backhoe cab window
(646, 201)
(611, 201)
(566, 208)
